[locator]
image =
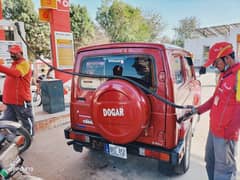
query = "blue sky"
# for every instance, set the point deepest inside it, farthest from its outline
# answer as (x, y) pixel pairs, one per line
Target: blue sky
(208, 12)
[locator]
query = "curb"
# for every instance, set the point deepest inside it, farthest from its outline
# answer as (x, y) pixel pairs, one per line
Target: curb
(52, 122)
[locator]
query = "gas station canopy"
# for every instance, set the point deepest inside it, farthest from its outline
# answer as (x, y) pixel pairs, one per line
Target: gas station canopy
(214, 31)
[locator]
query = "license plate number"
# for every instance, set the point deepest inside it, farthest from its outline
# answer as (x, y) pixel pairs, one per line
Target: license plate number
(115, 150)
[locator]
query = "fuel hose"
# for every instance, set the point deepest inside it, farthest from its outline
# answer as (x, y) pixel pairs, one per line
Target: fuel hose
(164, 100)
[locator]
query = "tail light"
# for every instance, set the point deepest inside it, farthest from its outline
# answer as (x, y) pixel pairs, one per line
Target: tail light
(154, 154)
(75, 86)
(79, 137)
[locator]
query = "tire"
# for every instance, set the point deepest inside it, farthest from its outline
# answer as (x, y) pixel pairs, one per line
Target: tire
(170, 170)
(13, 129)
(185, 163)
(27, 139)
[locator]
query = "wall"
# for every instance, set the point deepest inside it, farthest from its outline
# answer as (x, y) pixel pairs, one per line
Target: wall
(196, 45)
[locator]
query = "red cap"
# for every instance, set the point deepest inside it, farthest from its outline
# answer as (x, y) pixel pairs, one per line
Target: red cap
(218, 50)
(15, 49)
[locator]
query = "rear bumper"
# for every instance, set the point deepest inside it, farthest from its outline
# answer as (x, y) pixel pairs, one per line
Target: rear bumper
(95, 141)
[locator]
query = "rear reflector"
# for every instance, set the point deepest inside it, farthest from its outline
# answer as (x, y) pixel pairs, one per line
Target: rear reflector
(154, 154)
(79, 137)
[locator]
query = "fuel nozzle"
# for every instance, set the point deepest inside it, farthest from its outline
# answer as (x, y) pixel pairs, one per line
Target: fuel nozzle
(187, 115)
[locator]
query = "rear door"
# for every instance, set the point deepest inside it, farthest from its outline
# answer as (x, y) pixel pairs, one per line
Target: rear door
(144, 65)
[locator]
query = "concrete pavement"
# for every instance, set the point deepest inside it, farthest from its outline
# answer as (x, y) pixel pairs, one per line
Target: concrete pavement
(44, 120)
(50, 157)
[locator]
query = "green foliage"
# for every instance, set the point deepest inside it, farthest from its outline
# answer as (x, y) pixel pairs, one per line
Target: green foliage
(185, 29)
(39, 39)
(155, 24)
(37, 33)
(22, 10)
(81, 24)
(123, 22)
(165, 39)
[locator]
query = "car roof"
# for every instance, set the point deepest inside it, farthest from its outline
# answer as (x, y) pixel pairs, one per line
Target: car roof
(159, 46)
(120, 45)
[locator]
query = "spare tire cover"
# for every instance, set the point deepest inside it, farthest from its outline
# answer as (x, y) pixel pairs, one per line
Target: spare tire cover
(120, 111)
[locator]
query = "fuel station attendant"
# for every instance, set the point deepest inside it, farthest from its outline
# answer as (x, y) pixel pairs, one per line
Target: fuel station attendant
(224, 106)
(16, 90)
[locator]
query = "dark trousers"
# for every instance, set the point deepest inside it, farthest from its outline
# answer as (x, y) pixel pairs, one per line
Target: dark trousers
(220, 158)
(22, 114)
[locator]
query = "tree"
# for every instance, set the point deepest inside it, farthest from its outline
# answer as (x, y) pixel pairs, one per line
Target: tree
(37, 33)
(100, 36)
(155, 24)
(123, 22)
(165, 39)
(81, 24)
(185, 29)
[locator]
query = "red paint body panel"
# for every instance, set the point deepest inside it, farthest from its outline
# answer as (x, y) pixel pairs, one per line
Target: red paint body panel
(120, 111)
(145, 119)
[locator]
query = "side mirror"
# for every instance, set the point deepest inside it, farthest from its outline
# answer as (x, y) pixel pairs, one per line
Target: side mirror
(202, 70)
(190, 63)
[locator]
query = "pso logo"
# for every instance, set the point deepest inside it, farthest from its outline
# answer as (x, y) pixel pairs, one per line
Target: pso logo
(64, 3)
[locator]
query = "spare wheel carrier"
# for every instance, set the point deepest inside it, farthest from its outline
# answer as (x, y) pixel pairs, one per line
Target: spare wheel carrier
(120, 111)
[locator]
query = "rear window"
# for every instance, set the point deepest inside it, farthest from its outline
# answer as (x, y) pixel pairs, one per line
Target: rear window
(137, 67)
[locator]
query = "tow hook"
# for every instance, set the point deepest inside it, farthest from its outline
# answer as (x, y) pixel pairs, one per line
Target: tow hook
(69, 143)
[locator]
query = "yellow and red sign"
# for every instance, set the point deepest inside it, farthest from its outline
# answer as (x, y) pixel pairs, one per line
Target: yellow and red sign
(43, 14)
(64, 49)
(56, 12)
(51, 4)
(63, 5)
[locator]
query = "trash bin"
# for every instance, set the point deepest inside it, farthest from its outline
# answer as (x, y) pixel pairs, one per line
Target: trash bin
(52, 95)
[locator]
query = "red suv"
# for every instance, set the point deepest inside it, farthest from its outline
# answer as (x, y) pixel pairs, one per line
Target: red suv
(114, 106)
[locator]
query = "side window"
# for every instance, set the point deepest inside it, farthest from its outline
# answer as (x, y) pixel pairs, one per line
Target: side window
(141, 66)
(177, 70)
(187, 68)
(93, 66)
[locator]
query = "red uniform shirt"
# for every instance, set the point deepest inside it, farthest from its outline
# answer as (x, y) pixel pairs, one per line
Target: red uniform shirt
(224, 105)
(16, 88)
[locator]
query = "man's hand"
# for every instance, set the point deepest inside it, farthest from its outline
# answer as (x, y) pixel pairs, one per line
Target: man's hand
(202, 70)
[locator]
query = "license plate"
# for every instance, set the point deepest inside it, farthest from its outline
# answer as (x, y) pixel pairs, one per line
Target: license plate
(115, 150)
